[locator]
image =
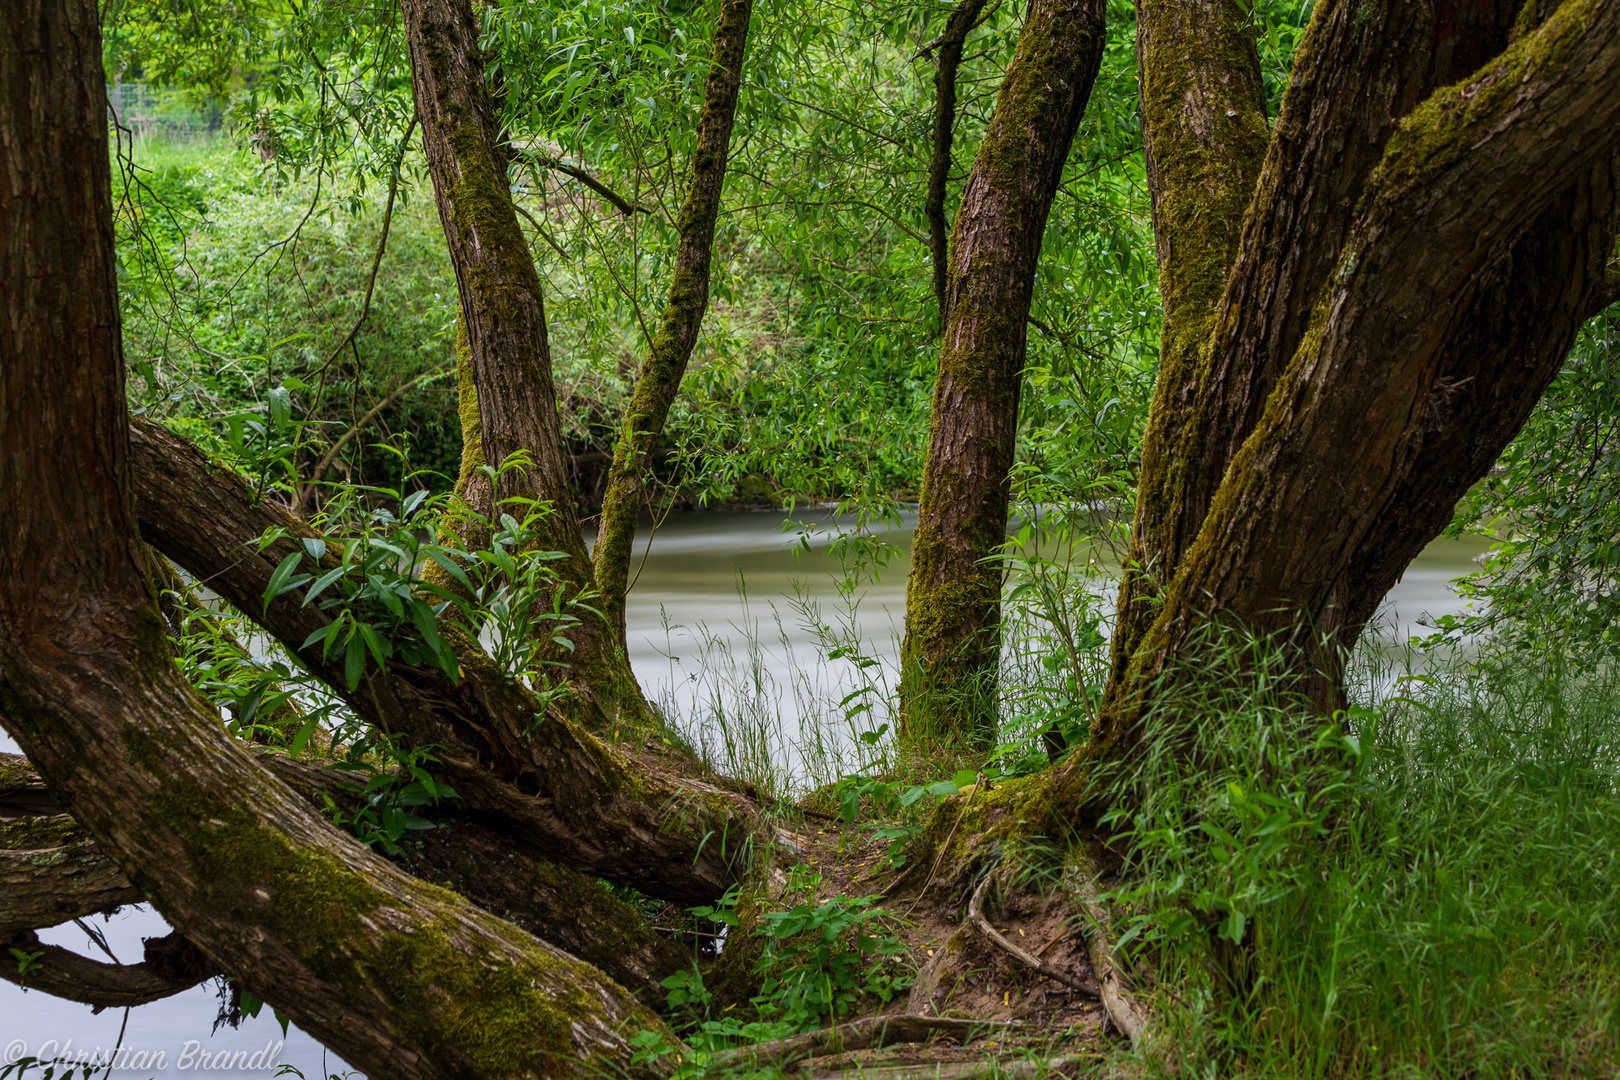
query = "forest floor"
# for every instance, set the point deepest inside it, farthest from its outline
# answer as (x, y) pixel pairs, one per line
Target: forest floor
(1050, 1027)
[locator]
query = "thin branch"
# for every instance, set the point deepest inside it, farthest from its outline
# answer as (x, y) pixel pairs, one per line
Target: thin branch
(331, 454)
(620, 203)
(541, 232)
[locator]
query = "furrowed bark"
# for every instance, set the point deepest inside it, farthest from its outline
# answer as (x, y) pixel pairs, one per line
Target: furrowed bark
(1527, 142)
(42, 887)
(660, 377)
(1358, 71)
(953, 595)
(1204, 138)
(401, 978)
(948, 60)
(586, 806)
(51, 872)
(504, 376)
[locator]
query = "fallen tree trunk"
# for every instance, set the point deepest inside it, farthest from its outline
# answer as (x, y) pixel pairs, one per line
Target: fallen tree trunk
(51, 872)
(637, 821)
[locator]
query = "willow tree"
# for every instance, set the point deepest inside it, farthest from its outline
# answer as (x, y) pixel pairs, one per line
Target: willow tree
(402, 977)
(1360, 319)
(504, 371)
(953, 595)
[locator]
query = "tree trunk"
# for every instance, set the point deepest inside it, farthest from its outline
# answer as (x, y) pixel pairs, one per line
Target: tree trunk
(641, 821)
(950, 42)
(953, 596)
(1204, 138)
(401, 978)
(1357, 72)
(1476, 250)
(660, 378)
(504, 373)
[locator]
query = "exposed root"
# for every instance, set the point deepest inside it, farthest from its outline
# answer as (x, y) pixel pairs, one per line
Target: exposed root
(996, 938)
(856, 1035)
(966, 1070)
(1127, 1014)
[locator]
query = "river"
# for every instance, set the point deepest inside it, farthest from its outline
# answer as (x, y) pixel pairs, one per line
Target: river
(723, 619)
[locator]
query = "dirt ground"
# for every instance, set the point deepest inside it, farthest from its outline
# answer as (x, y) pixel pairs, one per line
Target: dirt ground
(959, 973)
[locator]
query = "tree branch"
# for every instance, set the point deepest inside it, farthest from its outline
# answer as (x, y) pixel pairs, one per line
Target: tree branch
(670, 349)
(620, 203)
(961, 22)
(172, 965)
(634, 821)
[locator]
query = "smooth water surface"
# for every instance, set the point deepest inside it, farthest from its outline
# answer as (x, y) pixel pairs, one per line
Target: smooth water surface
(725, 609)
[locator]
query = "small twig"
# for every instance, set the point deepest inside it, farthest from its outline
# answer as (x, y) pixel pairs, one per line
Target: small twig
(541, 232)
(332, 451)
(857, 1035)
(995, 937)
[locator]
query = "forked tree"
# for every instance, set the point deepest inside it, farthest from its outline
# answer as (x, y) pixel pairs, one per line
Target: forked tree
(1362, 303)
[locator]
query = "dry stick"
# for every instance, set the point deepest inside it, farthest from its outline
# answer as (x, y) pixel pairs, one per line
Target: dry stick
(991, 934)
(856, 1035)
(1123, 1009)
(967, 1070)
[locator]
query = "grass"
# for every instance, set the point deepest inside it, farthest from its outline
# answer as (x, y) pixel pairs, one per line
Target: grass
(1425, 886)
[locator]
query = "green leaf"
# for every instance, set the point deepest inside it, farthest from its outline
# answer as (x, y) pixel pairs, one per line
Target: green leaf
(281, 578)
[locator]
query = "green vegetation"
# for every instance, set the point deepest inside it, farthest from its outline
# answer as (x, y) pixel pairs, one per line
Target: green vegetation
(1421, 882)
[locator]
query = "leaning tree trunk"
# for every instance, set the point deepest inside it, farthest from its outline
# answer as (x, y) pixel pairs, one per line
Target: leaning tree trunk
(504, 371)
(1450, 296)
(51, 872)
(633, 819)
(660, 378)
(1358, 71)
(401, 978)
(953, 597)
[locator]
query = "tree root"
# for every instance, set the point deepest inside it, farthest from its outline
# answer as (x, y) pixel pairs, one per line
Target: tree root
(994, 937)
(965, 1070)
(1127, 1014)
(856, 1035)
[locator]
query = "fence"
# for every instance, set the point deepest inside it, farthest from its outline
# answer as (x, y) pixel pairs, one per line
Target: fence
(149, 110)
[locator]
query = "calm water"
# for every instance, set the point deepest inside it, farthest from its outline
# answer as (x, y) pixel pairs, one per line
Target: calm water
(726, 607)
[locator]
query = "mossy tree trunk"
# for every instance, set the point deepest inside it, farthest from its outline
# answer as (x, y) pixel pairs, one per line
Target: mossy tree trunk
(952, 640)
(634, 819)
(504, 374)
(401, 978)
(1413, 268)
(659, 380)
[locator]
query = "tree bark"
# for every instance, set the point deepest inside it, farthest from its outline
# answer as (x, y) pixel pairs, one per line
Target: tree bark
(1477, 250)
(401, 978)
(948, 59)
(1359, 70)
(641, 821)
(661, 372)
(953, 596)
(1204, 139)
(51, 872)
(504, 375)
